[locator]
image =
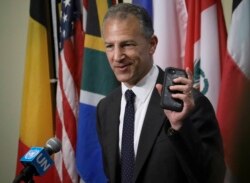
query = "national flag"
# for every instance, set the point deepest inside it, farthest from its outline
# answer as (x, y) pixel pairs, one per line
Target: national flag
(68, 88)
(170, 22)
(37, 104)
(233, 108)
(97, 81)
(205, 45)
(147, 4)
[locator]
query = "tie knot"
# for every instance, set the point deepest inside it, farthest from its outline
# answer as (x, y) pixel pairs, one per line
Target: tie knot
(130, 96)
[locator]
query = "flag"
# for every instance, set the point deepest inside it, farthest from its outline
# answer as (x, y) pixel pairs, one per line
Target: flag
(68, 88)
(36, 125)
(147, 4)
(171, 32)
(97, 81)
(170, 22)
(233, 108)
(205, 45)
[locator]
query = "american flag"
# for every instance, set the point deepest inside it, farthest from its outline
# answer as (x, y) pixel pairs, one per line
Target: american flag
(68, 88)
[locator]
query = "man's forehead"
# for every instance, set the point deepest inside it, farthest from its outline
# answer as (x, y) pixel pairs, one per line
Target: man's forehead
(122, 18)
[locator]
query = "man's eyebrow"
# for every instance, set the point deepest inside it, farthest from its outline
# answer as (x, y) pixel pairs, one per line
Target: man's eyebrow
(122, 42)
(126, 41)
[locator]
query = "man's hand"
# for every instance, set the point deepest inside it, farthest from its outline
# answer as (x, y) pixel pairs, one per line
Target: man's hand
(185, 87)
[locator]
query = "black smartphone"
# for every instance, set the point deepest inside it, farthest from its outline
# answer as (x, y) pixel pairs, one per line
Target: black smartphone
(167, 102)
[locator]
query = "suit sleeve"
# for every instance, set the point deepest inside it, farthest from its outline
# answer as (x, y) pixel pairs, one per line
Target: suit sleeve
(198, 144)
(99, 131)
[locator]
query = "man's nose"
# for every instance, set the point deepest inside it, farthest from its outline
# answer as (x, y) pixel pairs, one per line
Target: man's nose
(118, 54)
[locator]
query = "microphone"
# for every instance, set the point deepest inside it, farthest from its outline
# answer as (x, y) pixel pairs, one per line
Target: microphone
(37, 160)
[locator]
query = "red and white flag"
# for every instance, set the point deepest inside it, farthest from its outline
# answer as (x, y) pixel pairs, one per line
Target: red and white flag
(170, 24)
(234, 93)
(68, 89)
(205, 45)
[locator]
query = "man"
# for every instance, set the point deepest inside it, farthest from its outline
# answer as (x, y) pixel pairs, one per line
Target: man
(168, 146)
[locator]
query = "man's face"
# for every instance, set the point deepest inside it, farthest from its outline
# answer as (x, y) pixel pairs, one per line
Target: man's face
(128, 51)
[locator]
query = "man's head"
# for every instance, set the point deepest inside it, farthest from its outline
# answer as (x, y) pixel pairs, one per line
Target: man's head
(123, 10)
(130, 42)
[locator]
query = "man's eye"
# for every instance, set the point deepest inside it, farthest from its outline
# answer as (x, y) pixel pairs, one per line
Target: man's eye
(108, 46)
(128, 45)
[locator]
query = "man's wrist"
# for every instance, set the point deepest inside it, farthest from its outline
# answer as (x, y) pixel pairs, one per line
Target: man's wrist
(171, 131)
(176, 126)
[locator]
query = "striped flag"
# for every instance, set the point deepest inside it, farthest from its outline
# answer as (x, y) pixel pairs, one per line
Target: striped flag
(206, 45)
(68, 88)
(170, 22)
(97, 81)
(233, 109)
(37, 105)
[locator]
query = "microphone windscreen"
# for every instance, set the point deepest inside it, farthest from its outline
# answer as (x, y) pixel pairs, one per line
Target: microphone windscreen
(53, 145)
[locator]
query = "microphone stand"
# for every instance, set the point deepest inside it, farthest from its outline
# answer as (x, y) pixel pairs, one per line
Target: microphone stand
(25, 175)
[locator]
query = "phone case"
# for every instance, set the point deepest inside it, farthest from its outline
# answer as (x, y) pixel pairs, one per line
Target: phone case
(167, 102)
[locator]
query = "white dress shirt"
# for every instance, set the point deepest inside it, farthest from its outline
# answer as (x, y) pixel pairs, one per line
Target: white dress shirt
(143, 91)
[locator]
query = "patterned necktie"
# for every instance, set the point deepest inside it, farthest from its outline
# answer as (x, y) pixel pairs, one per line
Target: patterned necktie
(127, 152)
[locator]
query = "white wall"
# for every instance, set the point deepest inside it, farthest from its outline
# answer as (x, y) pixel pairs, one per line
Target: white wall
(13, 32)
(227, 7)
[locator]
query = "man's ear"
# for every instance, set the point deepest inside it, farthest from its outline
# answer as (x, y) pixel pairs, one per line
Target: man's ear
(153, 43)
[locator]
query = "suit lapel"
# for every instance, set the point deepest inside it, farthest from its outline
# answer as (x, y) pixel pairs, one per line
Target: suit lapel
(112, 135)
(153, 122)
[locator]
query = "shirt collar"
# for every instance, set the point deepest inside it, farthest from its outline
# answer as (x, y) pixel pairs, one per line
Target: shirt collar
(143, 88)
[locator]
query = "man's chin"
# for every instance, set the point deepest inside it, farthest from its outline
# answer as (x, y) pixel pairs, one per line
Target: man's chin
(122, 79)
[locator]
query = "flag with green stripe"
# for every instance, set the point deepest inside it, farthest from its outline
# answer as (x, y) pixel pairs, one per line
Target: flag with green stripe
(97, 81)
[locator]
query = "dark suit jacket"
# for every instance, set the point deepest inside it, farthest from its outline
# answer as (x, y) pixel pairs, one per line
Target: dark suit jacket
(194, 154)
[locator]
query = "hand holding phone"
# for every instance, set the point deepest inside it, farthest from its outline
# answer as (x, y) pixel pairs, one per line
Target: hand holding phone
(167, 102)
